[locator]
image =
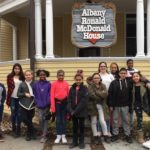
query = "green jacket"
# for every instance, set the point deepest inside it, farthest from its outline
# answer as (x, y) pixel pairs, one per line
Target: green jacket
(142, 92)
(97, 95)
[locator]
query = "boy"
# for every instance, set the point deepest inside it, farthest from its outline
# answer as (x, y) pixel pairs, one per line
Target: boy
(25, 94)
(2, 100)
(120, 102)
(59, 95)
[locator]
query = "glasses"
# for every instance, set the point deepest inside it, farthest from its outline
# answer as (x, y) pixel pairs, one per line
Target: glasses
(123, 73)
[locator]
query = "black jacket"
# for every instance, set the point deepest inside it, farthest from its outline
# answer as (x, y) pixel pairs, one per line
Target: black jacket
(79, 109)
(25, 102)
(120, 93)
(2, 94)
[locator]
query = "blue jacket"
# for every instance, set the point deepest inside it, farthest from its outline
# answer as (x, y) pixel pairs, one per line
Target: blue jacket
(41, 90)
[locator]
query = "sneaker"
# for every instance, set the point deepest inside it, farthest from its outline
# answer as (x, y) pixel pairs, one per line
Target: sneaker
(81, 145)
(64, 140)
(73, 145)
(146, 144)
(43, 140)
(58, 139)
(114, 138)
(129, 139)
(107, 139)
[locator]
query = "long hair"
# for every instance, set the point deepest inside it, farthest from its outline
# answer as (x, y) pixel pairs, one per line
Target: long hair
(21, 74)
(102, 62)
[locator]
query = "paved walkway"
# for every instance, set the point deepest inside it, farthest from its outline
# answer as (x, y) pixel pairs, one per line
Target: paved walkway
(65, 147)
(121, 145)
(20, 144)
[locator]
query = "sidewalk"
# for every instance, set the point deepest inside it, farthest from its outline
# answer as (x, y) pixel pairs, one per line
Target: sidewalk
(20, 144)
(122, 145)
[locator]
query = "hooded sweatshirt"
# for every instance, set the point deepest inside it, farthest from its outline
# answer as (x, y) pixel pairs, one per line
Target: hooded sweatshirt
(120, 93)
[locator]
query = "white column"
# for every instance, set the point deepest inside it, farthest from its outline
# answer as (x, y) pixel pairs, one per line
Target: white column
(14, 29)
(140, 28)
(49, 29)
(148, 28)
(38, 29)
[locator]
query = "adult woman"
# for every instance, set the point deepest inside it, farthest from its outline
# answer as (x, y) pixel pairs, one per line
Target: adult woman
(107, 78)
(13, 81)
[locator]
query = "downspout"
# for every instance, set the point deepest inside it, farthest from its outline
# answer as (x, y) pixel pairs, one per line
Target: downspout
(32, 36)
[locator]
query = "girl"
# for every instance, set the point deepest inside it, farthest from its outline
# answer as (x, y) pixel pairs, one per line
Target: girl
(97, 99)
(77, 106)
(59, 95)
(138, 93)
(41, 90)
(27, 105)
(13, 81)
(114, 69)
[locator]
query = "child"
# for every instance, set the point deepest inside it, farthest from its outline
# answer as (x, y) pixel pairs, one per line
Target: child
(59, 95)
(77, 106)
(13, 81)
(2, 100)
(138, 92)
(98, 95)
(120, 102)
(27, 105)
(41, 91)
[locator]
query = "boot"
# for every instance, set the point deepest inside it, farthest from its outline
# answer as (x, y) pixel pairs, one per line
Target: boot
(140, 137)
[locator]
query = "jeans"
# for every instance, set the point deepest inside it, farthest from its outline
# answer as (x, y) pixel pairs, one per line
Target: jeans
(43, 122)
(60, 118)
(1, 112)
(101, 119)
(15, 112)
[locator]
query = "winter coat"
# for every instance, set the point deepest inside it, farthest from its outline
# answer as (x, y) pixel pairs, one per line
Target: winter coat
(97, 95)
(41, 90)
(120, 95)
(79, 109)
(24, 101)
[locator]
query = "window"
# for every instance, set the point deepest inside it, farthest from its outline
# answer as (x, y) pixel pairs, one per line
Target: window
(89, 52)
(131, 35)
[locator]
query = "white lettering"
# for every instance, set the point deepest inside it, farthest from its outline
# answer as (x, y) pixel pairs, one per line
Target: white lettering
(90, 12)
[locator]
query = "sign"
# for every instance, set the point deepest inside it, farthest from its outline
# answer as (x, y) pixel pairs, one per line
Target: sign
(93, 25)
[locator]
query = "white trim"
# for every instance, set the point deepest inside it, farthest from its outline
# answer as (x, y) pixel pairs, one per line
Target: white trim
(11, 5)
(80, 59)
(25, 61)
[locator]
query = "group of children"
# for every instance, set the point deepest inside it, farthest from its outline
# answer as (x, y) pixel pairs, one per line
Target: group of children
(109, 99)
